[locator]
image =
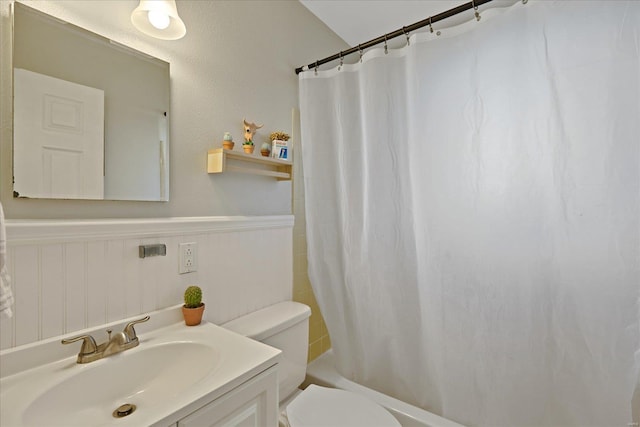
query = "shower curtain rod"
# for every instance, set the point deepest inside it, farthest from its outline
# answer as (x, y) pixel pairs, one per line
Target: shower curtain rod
(402, 31)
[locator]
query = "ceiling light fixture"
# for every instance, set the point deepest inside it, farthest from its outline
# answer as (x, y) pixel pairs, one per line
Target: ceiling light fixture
(159, 19)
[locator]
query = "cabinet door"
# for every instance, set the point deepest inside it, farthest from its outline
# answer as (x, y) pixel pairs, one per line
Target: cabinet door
(253, 404)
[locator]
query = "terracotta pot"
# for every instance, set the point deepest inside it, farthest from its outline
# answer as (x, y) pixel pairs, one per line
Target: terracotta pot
(228, 145)
(193, 316)
(265, 153)
(248, 148)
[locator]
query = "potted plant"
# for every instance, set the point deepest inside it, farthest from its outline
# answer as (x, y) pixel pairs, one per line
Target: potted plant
(280, 146)
(248, 147)
(279, 135)
(193, 306)
(265, 149)
(227, 142)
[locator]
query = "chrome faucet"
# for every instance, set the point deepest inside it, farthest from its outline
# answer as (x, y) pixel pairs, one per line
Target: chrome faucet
(120, 341)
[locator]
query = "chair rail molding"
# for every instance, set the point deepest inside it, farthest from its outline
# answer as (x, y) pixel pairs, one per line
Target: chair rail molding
(41, 231)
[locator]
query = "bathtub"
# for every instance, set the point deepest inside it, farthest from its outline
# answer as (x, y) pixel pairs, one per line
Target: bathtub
(322, 372)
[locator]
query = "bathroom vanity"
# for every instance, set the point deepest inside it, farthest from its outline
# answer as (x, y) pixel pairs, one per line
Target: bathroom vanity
(176, 376)
(250, 404)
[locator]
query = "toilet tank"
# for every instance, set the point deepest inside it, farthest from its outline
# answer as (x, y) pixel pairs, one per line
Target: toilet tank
(285, 326)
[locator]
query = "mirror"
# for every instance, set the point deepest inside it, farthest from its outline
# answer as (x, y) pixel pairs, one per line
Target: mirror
(90, 115)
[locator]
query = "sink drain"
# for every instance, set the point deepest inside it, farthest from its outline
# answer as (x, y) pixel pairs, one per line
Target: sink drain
(124, 410)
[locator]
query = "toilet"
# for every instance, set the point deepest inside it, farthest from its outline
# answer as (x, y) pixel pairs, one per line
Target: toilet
(286, 326)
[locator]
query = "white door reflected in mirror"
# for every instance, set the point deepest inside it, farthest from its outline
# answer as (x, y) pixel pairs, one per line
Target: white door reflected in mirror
(58, 138)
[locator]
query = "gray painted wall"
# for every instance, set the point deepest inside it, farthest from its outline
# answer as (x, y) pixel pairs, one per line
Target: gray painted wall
(235, 62)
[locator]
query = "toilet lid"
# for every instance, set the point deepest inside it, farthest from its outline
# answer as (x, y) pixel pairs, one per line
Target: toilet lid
(321, 407)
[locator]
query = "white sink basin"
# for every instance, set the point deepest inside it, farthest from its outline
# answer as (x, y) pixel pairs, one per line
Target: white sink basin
(153, 375)
(172, 370)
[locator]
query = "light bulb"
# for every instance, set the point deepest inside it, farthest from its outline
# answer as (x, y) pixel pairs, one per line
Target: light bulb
(158, 19)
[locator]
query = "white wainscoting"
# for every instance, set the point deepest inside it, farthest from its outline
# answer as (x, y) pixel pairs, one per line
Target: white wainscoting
(72, 275)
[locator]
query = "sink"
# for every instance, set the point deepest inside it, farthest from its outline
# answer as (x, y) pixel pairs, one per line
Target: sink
(152, 376)
(169, 375)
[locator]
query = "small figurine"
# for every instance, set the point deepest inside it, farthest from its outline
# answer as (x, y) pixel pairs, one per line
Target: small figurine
(249, 130)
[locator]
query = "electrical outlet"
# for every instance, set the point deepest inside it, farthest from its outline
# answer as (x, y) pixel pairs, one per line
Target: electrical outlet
(188, 257)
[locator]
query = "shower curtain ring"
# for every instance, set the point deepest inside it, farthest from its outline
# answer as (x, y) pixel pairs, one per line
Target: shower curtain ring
(386, 49)
(406, 34)
(477, 14)
(341, 61)
(360, 51)
(316, 68)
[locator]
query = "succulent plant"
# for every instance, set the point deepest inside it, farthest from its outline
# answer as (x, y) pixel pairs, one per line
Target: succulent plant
(228, 137)
(193, 297)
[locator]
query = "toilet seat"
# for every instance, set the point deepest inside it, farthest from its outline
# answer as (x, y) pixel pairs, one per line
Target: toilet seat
(321, 407)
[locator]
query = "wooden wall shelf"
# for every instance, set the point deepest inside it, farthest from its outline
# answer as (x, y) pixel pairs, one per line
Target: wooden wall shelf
(220, 160)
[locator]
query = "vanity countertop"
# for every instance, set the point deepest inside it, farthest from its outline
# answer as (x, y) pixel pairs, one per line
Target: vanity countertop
(174, 370)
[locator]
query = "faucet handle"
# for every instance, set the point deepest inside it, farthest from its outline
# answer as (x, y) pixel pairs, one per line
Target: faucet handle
(88, 344)
(130, 331)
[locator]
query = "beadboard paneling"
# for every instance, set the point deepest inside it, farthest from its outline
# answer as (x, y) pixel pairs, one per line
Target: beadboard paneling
(75, 290)
(26, 314)
(52, 291)
(67, 277)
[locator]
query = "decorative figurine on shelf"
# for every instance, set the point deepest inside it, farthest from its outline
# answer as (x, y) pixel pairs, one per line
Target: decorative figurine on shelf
(249, 130)
(281, 148)
(227, 142)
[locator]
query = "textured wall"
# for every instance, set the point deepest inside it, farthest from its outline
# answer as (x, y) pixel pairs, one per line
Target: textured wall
(236, 61)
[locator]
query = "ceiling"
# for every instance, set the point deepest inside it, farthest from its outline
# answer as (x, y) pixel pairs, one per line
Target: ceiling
(358, 21)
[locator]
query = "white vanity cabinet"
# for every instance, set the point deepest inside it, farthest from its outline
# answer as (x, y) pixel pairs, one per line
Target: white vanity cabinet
(252, 404)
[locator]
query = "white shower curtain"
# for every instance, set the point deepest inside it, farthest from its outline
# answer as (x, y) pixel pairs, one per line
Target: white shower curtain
(473, 215)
